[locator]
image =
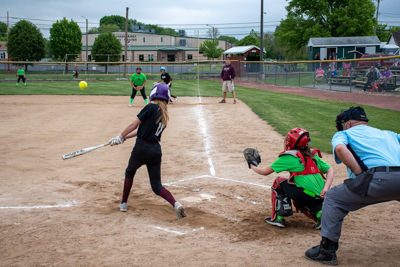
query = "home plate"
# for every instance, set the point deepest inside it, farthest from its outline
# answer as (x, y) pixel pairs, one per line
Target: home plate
(199, 198)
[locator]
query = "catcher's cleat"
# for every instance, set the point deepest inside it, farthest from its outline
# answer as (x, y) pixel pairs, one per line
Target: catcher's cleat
(277, 222)
(318, 224)
(180, 211)
(222, 101)
(123, 207)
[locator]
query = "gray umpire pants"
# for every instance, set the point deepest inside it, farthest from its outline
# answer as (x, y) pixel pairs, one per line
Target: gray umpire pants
(339, 201)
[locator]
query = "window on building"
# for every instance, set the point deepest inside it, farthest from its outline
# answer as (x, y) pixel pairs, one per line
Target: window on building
(171, 57)
(162, 39)
(182, 42)
(141, 57)
(144, 39)
(151, 58)
(2, 55)
(189, 56)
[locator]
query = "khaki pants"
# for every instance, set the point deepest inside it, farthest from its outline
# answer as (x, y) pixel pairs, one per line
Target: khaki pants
(228, 85)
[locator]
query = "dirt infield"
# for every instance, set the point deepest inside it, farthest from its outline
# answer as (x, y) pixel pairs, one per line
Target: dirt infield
(377, 100)
(65, 213)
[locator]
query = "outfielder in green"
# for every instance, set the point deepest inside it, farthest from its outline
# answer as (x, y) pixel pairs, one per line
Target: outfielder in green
(21, 75)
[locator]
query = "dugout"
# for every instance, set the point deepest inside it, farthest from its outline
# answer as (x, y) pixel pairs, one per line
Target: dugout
(243, 54)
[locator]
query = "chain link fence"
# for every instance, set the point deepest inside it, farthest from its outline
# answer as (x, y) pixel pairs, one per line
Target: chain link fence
(371, 75)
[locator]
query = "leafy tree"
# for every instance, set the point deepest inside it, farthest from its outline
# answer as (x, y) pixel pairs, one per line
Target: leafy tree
(383, 32)
(251, 39)
(106, 47)
(105, 28)
(324, 18)
(3, 29)
(230, 39)
(113, 20)
(25, 42)
(65, 38)
(213, 33)
(210, 49)
(272, 48)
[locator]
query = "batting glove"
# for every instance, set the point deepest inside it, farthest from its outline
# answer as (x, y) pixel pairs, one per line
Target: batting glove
(116, 140)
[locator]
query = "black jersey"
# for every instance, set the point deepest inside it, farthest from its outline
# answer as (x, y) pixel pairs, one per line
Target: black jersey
(149, 130)
(166, 78)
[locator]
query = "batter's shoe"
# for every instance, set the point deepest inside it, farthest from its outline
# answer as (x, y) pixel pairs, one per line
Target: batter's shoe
(234, 101)
(130, 105)
(277, 222)
(123, 207)
(180, 211)
(222, 101)
(324, 253)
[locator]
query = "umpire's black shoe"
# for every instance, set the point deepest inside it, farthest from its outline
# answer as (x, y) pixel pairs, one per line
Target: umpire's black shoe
(324, 253)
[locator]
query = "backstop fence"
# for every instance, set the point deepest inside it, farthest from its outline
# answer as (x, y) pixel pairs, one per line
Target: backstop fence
(369, 74)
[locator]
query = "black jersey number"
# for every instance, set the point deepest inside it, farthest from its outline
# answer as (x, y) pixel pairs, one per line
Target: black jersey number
(160, 129)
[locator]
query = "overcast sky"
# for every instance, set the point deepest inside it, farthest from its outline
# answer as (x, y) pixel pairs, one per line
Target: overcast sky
(183, 12)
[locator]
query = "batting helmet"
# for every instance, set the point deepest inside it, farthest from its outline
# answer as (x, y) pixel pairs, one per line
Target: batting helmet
(163, 68)
(160, 91)
(297, 138)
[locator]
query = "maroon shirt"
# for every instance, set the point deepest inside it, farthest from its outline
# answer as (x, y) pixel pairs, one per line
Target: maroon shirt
(228, 73)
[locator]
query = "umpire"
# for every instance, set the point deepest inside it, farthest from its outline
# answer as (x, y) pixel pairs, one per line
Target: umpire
(372, 157)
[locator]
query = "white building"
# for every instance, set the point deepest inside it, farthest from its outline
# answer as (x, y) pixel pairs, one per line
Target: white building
(147, 47)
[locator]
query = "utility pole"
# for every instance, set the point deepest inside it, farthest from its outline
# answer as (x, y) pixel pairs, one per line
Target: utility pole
(126, 40)
(8, 22)
(87, 38)
(377, 14)
(262, 34)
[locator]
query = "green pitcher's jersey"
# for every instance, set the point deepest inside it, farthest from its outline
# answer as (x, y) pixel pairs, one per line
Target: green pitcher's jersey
(138, 80)
(20, 72)
(312, 182)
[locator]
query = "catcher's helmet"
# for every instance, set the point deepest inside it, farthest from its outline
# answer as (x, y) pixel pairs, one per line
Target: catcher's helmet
(160, 91)
(297, 138)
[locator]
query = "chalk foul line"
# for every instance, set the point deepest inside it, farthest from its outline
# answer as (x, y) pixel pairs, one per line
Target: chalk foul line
(175, 231)
(62, 205)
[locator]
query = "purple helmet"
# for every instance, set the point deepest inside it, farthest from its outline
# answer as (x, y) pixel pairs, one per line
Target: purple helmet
(160, 91)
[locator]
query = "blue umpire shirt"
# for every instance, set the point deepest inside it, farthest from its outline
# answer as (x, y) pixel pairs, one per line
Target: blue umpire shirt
(373, 146)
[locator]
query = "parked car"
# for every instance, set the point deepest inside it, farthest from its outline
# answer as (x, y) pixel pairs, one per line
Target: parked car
(382, 62)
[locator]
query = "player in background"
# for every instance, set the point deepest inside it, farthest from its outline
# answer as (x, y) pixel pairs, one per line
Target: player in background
(228, 75)
(21, 75)
(138, 81)
(167, 79)
(305, 186)
(147, 128)
(76, 72)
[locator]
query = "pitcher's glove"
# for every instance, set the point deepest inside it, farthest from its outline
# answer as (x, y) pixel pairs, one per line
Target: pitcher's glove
(252, 156)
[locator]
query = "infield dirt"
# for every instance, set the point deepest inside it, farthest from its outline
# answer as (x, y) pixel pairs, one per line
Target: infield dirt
(225, 224)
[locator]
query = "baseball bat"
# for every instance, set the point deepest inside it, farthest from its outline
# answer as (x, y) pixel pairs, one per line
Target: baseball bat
(82, 151)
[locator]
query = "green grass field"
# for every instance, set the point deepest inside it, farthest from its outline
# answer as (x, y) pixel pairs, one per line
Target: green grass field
(282, 111)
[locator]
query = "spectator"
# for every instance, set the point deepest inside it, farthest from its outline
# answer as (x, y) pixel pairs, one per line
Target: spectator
(371, 78)
(319, 74)
(385, 76)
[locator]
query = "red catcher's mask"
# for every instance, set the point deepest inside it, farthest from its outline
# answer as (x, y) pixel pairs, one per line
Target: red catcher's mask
(297, 138)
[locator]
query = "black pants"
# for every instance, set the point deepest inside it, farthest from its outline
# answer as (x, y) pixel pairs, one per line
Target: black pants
(141, 91)
(148, 154)
(312, 204)
(21, 77)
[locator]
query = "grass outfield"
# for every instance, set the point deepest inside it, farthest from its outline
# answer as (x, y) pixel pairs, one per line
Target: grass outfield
(283, 111)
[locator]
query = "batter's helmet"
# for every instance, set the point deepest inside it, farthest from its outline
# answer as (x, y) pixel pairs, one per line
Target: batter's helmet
(297, 138)
(163, 68)
(160, 91)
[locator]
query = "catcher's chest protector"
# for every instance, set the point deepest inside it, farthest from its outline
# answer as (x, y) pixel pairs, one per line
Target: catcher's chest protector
(310, 167)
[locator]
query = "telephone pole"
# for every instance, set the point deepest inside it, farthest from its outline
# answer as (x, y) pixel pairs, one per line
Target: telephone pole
(126, 40)
(262, 35)
(8, 22)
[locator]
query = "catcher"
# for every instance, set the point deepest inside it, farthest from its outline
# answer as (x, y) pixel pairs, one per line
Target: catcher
(306, 186)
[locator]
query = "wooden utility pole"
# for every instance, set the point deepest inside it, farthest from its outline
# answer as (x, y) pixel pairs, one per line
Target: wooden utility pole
(262, 34)
(377, 14)
(87, 33)
(8, 22)
(126, 41)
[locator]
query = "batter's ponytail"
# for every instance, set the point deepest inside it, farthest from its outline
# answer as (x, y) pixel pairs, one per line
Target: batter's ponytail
(162, 108)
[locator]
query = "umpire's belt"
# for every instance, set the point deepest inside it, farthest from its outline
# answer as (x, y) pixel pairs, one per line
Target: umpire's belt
(387, 169)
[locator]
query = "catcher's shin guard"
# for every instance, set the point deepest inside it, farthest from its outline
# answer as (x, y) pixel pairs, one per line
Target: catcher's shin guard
(281, 203)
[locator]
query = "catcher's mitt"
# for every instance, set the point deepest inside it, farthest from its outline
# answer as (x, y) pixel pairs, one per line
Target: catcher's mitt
(252, 156)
